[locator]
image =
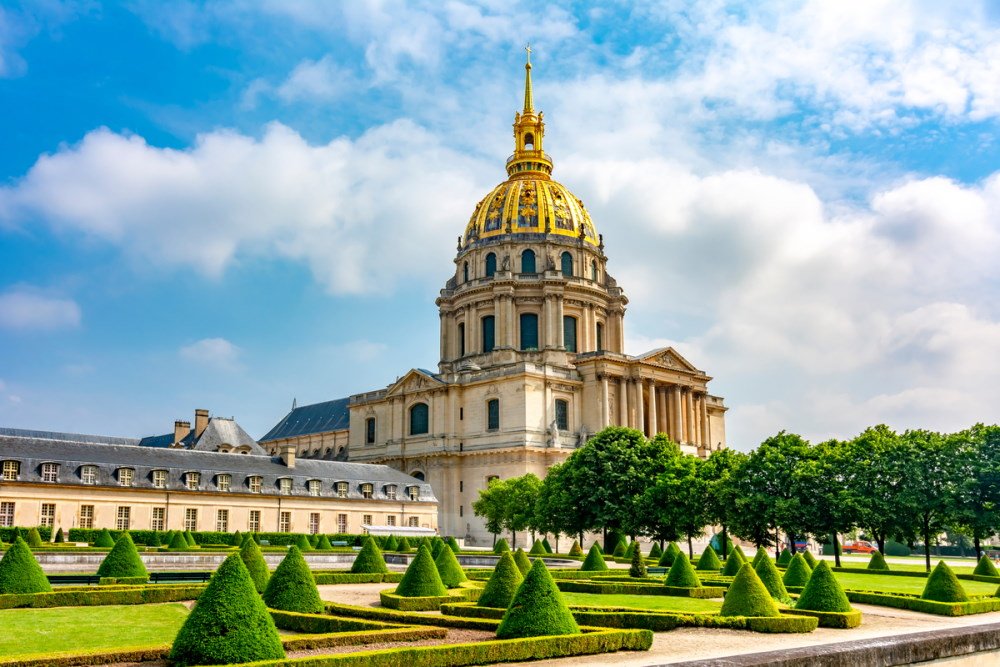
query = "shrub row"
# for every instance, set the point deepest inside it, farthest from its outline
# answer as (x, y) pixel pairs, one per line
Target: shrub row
(96, 657)
(621, 588)
(555, 573)
(201, 537)
(346, 577)
(87, 597)
(410, 618)
(831, 619)
(409, 633)
(665, 621)
(913, 603)
(425, 603)
(123, 581)
(324, 624)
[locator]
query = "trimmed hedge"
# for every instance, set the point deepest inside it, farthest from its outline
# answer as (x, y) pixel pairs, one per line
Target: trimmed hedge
(537, 549)
(538, 608)
(123, 581)
(748, 596)
(292, 587)
(501, 546)
(637, 568)
(734, 563)
(655, 551)
(34, 540)
(594, 562)
(324, 577)
(229, 624)
(447, 566)
(411, 617)
(575, 550)
(369, 560)
(681, 574)
(709, 561)
(392, 600)
(797, 573)
(178, 543)
(255, 564)
(669, 555)
(771, 578)
(522, 561)
(810, 559)
(123, 561)
(20, 573)
(302, 542)
(623, 588)
(503, 584)
(986, 568)
(103, 539)
(757, 557)
(189, 538)
(841, 620)
(620, 548)
(823, 592)
(943, 586)
(784, 558)
(404, 544)
(913, 603)
(90, 596)
(421, 578)
(877, 562)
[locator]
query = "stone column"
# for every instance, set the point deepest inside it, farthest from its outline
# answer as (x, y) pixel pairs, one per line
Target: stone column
(678, 405)
(622, 402)
(653, 414)
(689, 415)
(605, 408)
(445, 324)
(545, 327)
(640, 406)
(560, 336)
(661, 403)
(706, 436)
(511, 326)
(499, 324)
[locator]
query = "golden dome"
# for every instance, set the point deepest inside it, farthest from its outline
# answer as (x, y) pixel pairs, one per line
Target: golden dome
(531, 206)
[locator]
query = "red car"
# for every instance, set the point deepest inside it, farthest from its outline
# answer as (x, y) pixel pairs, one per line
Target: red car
(858, 548)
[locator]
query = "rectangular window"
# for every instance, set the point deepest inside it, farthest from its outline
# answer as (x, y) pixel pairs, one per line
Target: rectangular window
(86, 516)
(461, 510)
(341, 523)
(600, 337)
(390, 520)
(461, 486)
(493, 414)
(123, 520)
(366, 519)
(367, 491)
(314, 486)
(223, 482)
(50, 472)
(6, 514)
(285, 486)
(284, 522)
(313, 523)
(88, 474)
(48, 517)
(370, 431)
(529, 331)
(461, 340)
(222, 521)
(159, 479)
(254, 484)
(414, 522)
(562, 415)
(341, 489)
(125, 476)
(11, 469)
(159, 520)
(191, 519)
(390, 492)
(489, 333)
(414, 493)
(193, 480)
(569, 333)
(253, 524)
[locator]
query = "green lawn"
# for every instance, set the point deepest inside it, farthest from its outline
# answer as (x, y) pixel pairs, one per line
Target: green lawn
(27, 631)
(664, 602)
(891, 584)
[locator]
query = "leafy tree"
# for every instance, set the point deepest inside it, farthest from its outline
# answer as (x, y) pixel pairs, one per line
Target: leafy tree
(557, 509)
(719, 502)
(675, 502)
(978, 502)
(509, 504)
(825, 481)
(877, 473)
(492, 506)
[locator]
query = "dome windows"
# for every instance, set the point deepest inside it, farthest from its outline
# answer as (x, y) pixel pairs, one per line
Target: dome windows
(566, 264)
(528, 261)
(491, 265)
(419, 419)
(489, 333)
(529, 331)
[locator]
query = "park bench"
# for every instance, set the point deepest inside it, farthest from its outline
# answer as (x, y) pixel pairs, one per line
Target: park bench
(74, 579)
(338, 543)
(657, 570)
(173, 577)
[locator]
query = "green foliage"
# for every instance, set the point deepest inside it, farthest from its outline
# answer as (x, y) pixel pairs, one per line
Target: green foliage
(155, 540)
(747, 596)
(537, 608)
(237, 539)
(798, 572)
(669, 555)
(575, 550)
(537, 549)
(421, 578)
(682, 574)
(823, 592)
(784, 558)
(632, 546)
(734, 563)
(391, 544)
(60, 538)
(189, 538)
(709, 561)
(759, 556)
(404, 544)
(522, 560)
(314, 540)
(177, 542)
(501, 546)
(451, 572)
(20, 572)
(986, 567)
(123, 560)
(230, 623)
(104, 539)
(292, 587)
(599, 548)
(502, 584)
(34, 539)
(877, 562)
(254, 562)
(437, 544)
(508, 504)
(594, 562)
(771, 578)
(655, 551)
(637, 568)
(453, 544)
(619, 551)
(369, 560)
(302, 542)
(810, 559)
(546, 545)
(943, 586)
(324, 543)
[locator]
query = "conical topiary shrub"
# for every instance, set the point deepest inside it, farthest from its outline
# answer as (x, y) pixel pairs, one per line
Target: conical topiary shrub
(986, 568)
(178, 543)
(292, 586)
(620, 549)
(709, 561)
(594, 562)
(503, 583)
(546, 545)
(437, 544)
(104, 539)
(155, 540)
(655, 551)
(537, 609)
(20, 572)
(123, 560)
(248, 537)
(599, 548)
(748, 596)
(302, 542)
(669, 555)
(60, 538)
(522, 561)
(810, 559)
(324, 543)
(877, 562)
(391, 544)
(501, 546)
(743, 556)
(734, 563)
(611, 540)
(452, 574)
(453, 544)
(34, 539)
(757, 557)
(943, 586)
(369, 560)
(682, 574)
(189, 538)
(404, 544)
(823, 592)
(575, 549)
(230, 623)
(537, 549)
(421, 578)
(255, 564)
(236, 540)
(771, 578)
(798, 572)
(637, 568)
(784, 558)
(630, 549)
(314, 540)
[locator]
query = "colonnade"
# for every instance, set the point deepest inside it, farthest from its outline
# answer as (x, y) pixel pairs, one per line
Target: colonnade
(653, 407)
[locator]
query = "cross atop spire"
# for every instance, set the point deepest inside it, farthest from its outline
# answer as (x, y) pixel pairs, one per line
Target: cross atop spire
(529, 101)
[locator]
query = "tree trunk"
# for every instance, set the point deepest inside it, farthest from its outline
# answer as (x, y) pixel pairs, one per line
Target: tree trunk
(777, 544)
(690, 547)
(791, 542)
(557, 542)
(927, 546)
(725, 542)
(836, 549)
(494, 539)
(978, 546)
(880, 539)
(513, 540)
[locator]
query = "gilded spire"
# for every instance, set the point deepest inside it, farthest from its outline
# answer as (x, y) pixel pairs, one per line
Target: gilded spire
(529, 102)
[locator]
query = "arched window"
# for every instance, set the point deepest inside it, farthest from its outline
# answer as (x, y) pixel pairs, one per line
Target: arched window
(567, 264)
(491, 265)
(493, 414)
(465, 272)
(461, 339)
(416, 474)
(489, 333)
(569, 333)
(529, 142)
(600, 337)
(528, 261)
(419, 419)
(562, 414)
(529, 331)
(593, 270)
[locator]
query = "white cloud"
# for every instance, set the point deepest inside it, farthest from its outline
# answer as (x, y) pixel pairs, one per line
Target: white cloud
(216, 353)
(28, 309)
(361, 350)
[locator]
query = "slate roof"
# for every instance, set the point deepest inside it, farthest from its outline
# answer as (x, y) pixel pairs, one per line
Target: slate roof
(316, 418)
(226, 432)
(69, 437)
(72, 455)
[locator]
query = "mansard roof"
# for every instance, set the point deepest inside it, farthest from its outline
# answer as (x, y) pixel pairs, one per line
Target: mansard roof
(221, 432)
(308, 419)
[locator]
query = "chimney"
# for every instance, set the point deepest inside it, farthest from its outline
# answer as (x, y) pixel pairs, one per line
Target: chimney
(181, 429)
(287, 454)
(200, 421)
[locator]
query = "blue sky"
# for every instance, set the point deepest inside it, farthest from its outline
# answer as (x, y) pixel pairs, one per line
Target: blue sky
(231, 204)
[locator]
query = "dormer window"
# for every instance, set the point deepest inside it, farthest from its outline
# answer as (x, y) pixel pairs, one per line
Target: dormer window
(125, 476)
(11, 470)
(313, 485)
(223, 482)
(367, 490)
(285, 486)
(341, 489)
(390, 491)
(50, 472)
(159, 479)
(254, 484)
(414, 492)
(192, 480)
(88, 474)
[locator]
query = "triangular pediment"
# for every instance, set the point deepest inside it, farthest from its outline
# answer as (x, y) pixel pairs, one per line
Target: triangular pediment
(667, 357)
(414, 380)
